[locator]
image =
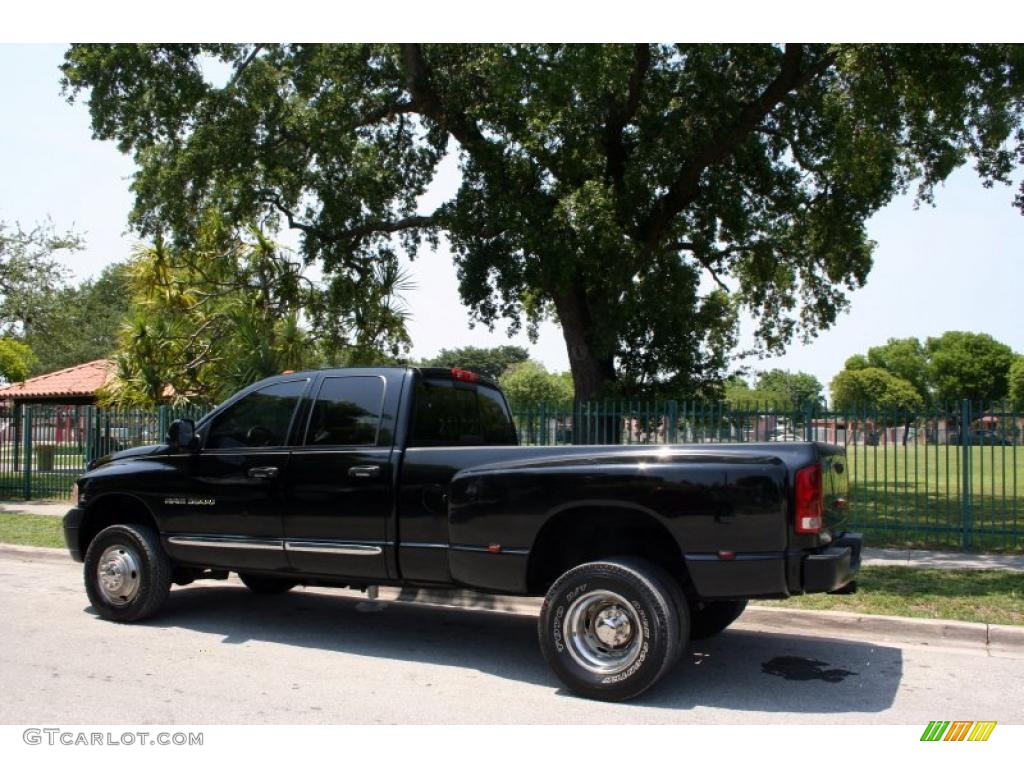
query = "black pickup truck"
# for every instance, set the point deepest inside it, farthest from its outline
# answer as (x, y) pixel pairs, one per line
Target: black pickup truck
(361, 477)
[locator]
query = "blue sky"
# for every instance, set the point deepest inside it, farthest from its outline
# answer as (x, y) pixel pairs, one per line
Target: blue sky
(956, 266)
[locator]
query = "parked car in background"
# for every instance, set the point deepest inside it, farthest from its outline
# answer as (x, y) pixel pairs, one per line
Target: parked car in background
(982, 437)
(990, 437)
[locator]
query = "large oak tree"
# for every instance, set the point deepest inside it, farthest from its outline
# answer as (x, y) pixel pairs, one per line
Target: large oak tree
(642, 195)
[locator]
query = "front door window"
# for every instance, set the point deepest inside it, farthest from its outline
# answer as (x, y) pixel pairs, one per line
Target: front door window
(261, 419)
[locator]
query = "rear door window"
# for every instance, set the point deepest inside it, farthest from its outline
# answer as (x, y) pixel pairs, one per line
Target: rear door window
(347, 411)
(494, 417)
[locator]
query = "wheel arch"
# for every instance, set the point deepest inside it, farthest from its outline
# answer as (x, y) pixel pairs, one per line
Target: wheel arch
(113, 509)
(586, 531)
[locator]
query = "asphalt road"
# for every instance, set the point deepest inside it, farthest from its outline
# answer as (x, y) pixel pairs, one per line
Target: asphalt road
(218, 654)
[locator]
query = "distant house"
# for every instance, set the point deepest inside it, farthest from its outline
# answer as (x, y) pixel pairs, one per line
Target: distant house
(63, 392)
(77, 385)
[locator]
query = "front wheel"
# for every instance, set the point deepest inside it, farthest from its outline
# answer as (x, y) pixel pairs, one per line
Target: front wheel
(127, 573)
(708, 619)
(610, 629)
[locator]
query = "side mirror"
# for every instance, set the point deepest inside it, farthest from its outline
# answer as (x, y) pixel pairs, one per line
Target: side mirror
(182, 435)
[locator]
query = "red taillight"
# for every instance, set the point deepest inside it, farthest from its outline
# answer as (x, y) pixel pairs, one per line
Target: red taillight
(462, 375)
(809, 501)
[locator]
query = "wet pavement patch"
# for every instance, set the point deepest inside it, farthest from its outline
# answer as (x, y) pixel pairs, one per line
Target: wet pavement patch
(798, 668)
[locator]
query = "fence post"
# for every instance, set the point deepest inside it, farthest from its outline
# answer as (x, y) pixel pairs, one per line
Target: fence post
(966, 509)
(808, 418)
(163, 423)
(26, 474)
(672, 433)
(19, 409)
(90, 435)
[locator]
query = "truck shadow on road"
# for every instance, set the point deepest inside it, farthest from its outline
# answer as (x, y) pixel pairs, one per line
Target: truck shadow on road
(738, 670)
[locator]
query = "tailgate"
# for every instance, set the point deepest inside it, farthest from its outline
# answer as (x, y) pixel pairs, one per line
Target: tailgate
(834, 564)
(835, 487)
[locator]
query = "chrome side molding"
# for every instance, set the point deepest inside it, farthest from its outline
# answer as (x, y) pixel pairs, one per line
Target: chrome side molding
(226, 542)
(331, 548)
(299, 547)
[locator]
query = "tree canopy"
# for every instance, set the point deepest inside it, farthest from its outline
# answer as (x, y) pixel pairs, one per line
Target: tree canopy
(944, 369)
(529, 383)
(1015, 381)
(16, 360)
(30, 273)
(905, 358)
(641, 195)
(236, 308)
(76, 324)
(798, 390)
(874, 389)
(739, 394)
(968, 365)
(775, 389)
(62, 324)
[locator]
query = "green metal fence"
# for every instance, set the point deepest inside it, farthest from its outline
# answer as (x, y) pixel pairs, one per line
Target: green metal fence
(43, 448)
(947, 478)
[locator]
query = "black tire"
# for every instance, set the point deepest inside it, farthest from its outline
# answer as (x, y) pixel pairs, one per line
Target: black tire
(266, 585)
(137, 573)
(627, 587)
(710, 618)
(682, 605)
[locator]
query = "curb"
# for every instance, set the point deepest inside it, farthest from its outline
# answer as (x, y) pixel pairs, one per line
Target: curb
(996, 638)
(938, 632)
(25, 552)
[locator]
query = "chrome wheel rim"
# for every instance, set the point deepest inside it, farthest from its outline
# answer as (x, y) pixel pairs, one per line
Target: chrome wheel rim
(117, 574)
(603, 631)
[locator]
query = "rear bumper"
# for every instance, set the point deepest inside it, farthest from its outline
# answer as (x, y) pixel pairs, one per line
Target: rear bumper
(72, 522)
(744, 575)
(835, 566)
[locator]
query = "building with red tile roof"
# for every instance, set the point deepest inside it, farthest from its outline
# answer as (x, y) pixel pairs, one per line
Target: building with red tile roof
(77, 385)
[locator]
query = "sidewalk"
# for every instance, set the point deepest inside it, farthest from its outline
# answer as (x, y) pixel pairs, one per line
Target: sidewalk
(922, 558)
(48, 507)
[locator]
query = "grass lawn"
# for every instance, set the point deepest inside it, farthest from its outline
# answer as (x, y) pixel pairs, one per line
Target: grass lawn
(45, 485)
(912, 496)
(992, 597)
(32, 530)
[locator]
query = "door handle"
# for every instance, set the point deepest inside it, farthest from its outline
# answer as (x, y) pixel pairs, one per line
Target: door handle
(264, 473)
(364, 470)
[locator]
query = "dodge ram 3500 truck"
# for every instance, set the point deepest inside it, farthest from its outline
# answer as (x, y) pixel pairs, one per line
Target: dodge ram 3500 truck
(360, 477)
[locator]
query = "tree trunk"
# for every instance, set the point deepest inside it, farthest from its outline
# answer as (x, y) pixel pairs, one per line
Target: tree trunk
(593, 369)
